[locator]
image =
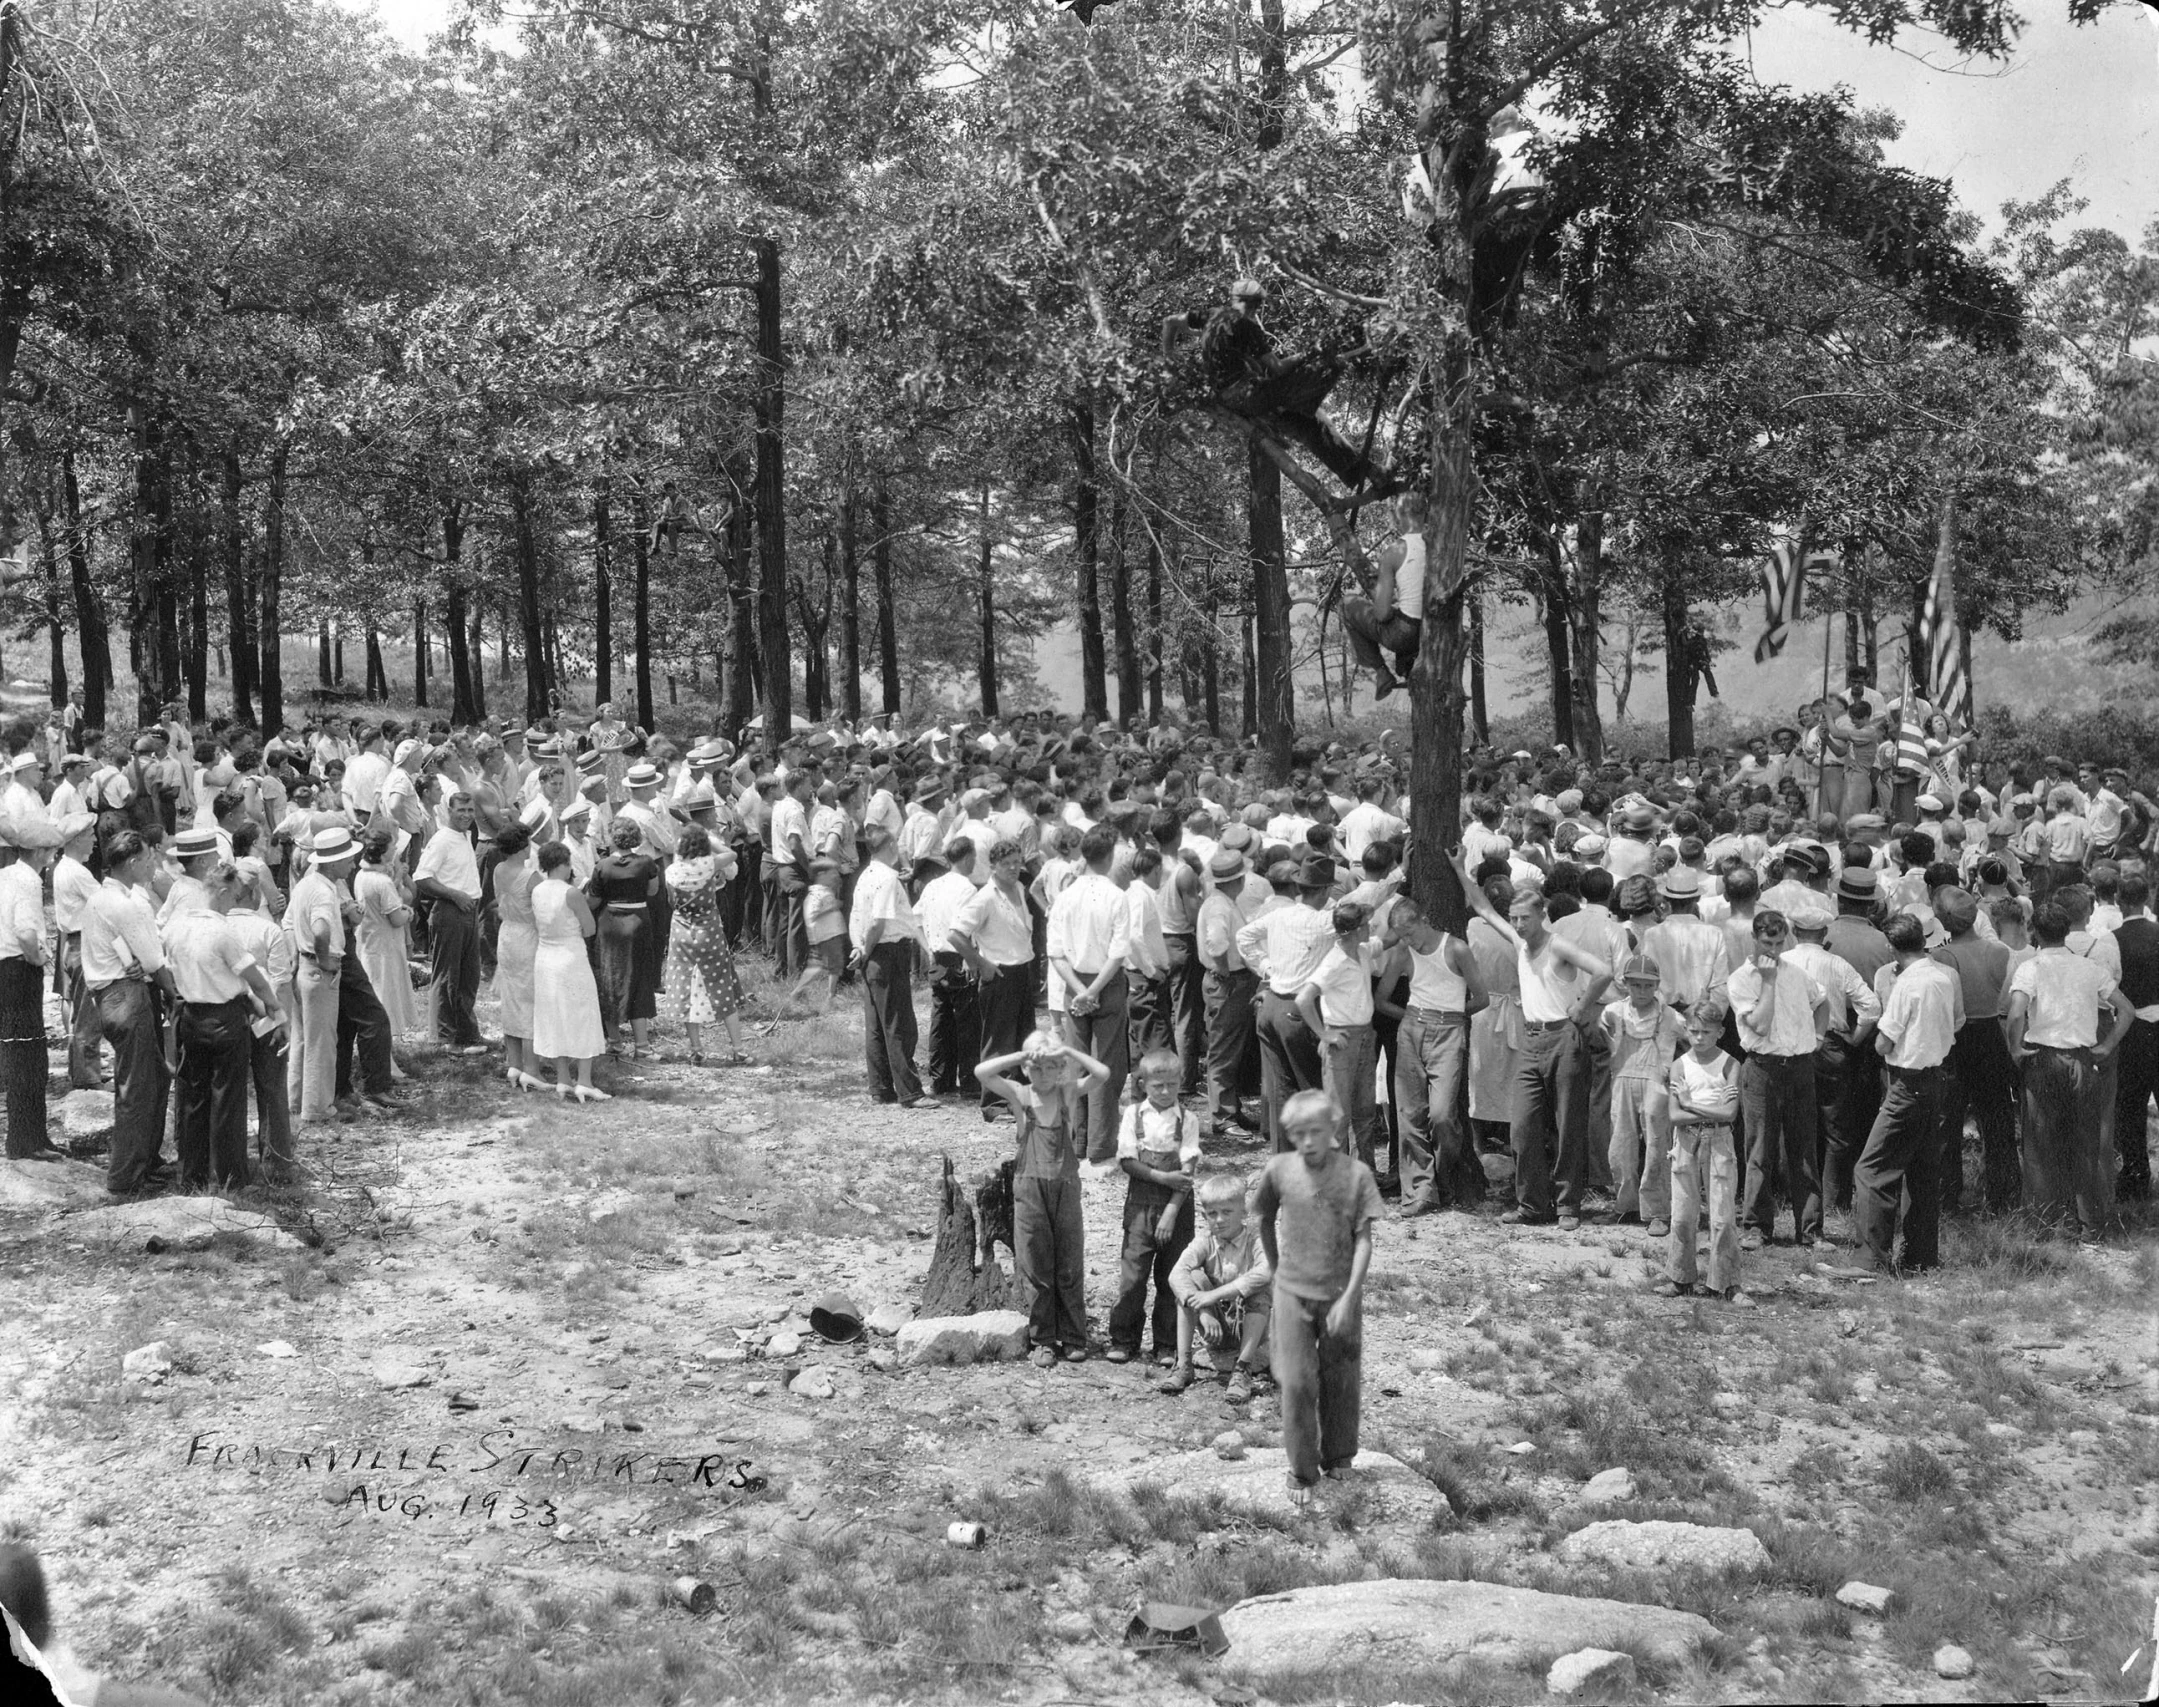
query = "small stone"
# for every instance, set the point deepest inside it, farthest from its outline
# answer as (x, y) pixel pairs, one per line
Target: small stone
(581, 1422)
(1848, 1323)
(881, 1358)
(888, 1319)
(2004, 1431)
(1521, 1448)
(1072, 1627)
(393, 1373)
(1864, 1389)
(276, 1348)
(1729, 1404)
(148, 1362)
(814, 1382)
(783, 1346)
(757, 1389)
(1864, 1597)
(1609, 1486)
(86, 1114)
(1665, 1546)
(727, 1354)
(1229, 1444)
(1425, 1360)
(1953, 1662)
(1606, 1667)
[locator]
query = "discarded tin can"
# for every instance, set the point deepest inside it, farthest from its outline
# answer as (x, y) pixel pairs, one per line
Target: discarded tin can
(698, 1597)
(965, 1534)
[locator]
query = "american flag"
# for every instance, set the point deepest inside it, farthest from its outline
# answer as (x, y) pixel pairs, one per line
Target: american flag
(1911, 741)
(1784, 592)
(1949, 684)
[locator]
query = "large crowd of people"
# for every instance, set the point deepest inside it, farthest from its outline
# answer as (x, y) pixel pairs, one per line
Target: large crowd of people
(1694, 995)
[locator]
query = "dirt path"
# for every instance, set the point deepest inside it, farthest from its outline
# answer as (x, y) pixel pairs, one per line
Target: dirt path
(541, 1369)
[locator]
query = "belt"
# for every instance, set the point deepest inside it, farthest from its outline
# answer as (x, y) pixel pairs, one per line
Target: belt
(1438, 1013)
(1915, 1072)
(625, 906)
(124, 978)
(2064, 1048)
(1546, 1024)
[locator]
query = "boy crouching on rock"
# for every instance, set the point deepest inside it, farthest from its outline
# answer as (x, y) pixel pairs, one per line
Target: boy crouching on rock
(1316, 1208)
(1223, 1284)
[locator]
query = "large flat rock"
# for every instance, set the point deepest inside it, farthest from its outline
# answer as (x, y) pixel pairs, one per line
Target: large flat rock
(173, 1223)
(1405, 1624)
(988, 1336)
(1259, 1482)
(84, 1113)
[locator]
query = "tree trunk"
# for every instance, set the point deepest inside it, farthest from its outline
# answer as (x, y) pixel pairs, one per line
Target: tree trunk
(771, 500)
(1210, 654)
(1679, 676)
(739, 696)
(479, 659)
(420, 660)
(531, 629)
(641, 606)
(1272, 691)
(1086, 500)
(1154, 629)
(197, 655)
(242, 643)
(603, 626)
(1480, 717)
(378, 676)
(92, 644)
(145, 550)
(270, 633)
(1248, 680)
(1559, 661)
(1131, 691)
(986, 582)
(850, 612)
(324, 674)
(55, 621)
(888, 634)
(1435, 701)
(1585, 610)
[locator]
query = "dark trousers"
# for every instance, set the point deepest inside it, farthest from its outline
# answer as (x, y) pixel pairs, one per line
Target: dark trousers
(955, 1025)
(1104, 1034)
(1230, 1020)
(2133, 1093)
(363, 1030)
(2068, 1177)
(22, 1055)
(1148, 1256)
(269, 1061)
(1148, 1016)
(1188, 1010)
(1897, 1178)
(454, 937)
(772, 913)
(490, 909)
(1368, 632)
(1776, 1093)
(888, 1022)
(1596, 1107)
(1439, 1165)
(1288, 1060)
(128, 1018)
(1982, 1081)
(1548, 1121)
(1007, 1008)
(1049, 1257)
(1855, 1099)
(84, 1061)
(1322, 1379)
(211, 1131)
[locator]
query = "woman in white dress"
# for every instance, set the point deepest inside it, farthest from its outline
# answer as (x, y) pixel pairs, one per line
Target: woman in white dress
(566, 1024)
(385, 911)
(516, 948)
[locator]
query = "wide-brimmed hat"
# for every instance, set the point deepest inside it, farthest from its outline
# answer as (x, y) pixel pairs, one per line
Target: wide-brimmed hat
(334, 843)
(1226, 863)
(1639, 818)
(1681, 883)
(192, 844)
(1316, 871)
(534, 812)
(928, 789)
(1857, 883)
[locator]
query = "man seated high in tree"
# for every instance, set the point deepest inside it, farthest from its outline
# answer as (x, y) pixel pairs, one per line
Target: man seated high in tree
(1282, 396)
(1393, 617)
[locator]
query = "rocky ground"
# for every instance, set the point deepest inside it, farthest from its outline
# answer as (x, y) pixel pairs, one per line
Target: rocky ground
(451, 1425)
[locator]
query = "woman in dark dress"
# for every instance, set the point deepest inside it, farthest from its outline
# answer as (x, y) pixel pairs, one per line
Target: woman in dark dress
(624, 948)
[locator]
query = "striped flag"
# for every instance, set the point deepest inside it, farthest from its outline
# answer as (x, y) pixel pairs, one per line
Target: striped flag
(1949, 684)
(1911, 742)
(1784, 591)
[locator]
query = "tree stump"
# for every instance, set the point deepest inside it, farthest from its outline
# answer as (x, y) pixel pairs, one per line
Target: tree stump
(965, 1275)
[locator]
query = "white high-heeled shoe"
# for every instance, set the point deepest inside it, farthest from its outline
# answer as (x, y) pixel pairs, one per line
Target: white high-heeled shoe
(593, 1093)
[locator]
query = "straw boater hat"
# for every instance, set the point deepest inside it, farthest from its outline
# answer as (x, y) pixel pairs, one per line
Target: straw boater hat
(333, 844)
(1681, 883)
(535, 812)
(641, 775)
(192, 844)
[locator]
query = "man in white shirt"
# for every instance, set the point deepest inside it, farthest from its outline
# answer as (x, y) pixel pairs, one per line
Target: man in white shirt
(1149, 1001)
(1782, 1014)
(1285, 948)
(884, 931)
(1229, 987)
(25, 847)
(994, 935)
(788, 851)
(1901, 1162)
(123, 961)
(22, 800)
(365, 773)
(1368, 821)
(1336, 1005)
(196, 853)
(2056, 1001)
(221, 991)
(1392, 619)
(70, 795)
(315, 918)
(955, 1017)
(1089, 940)
(449, 875)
